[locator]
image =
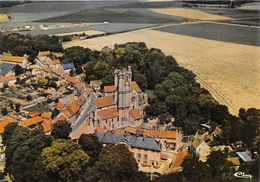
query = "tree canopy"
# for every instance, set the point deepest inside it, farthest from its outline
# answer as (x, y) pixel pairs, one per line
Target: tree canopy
(64, 160)
(61, 130)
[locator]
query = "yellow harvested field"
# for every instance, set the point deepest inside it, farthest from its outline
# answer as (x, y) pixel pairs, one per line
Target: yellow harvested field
(189, 13)
(4, 18)
(231, 72)
(87, 32)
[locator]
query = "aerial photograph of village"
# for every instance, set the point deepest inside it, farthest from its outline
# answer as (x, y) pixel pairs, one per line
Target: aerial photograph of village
(129, 90)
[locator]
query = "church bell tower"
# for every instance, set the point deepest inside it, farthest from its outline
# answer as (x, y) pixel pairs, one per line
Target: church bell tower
(123, 78)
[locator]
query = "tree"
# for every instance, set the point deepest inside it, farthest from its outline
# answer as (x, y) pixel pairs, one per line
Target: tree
(116, 163)
(4, 111)
(16, 138)
(8, 131)
(61, 130)
(28, 97)
(90, 144)
(43, 81)
(28, 156)
(195, 170)
(64, 160)
(221, 169)
(18, 70)
(17, 107)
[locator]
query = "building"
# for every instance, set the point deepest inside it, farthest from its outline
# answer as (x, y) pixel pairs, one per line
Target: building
(44, 54)
(201, 149)
(7, 69)
(68, 67)
(7, 81)
(168, 140)
(122, 104)
(145, 149)
(20, 60)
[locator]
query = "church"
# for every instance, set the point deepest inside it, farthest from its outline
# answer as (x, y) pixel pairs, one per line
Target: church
(121, 104)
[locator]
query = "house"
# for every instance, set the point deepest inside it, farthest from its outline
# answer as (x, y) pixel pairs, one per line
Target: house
(244, 157)
(44, 54)
(235, 161)
(146, 150)
(32, 122)
(68, 67)
(7, 69)
(202, 149)
(4, 123)
(109, 90)
(20, 60)
(56, 63)
(7, 81)
(168, 140)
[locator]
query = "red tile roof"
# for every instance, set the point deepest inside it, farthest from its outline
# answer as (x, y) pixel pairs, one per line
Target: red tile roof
(7, 78)
(71, 79)
(44, 53)
(46, 69)
(100, 130)
(136, 114)
(107, 114)
(31, 121)
(14, 59)
(4, 123)
(34, 114)
(136, 87)
(105, 101)
(74, 107)
(109, 89)
(67, 112)
(154, 133)
(47, 126)
(56, 61)
(46, 115)
(180, 157)
(60, 105)
(58, 72)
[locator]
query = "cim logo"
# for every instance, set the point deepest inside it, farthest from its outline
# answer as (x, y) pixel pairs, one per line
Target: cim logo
(242, 175)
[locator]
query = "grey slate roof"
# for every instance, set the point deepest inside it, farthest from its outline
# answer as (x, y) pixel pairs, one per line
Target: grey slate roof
(134, 141)
(244, 156)
(5, 68)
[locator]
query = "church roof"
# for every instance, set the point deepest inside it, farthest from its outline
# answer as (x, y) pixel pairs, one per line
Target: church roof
(107, 113)
(136, 87)
(136, 114)
(109, 89)
(105, 101)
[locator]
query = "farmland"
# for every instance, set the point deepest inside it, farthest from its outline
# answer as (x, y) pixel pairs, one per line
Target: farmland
(217, 31)
(230, 71)
(189, 13)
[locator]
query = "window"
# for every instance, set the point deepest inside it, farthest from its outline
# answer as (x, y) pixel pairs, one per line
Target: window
(152, 158)
(139, 155)
(145, 156)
